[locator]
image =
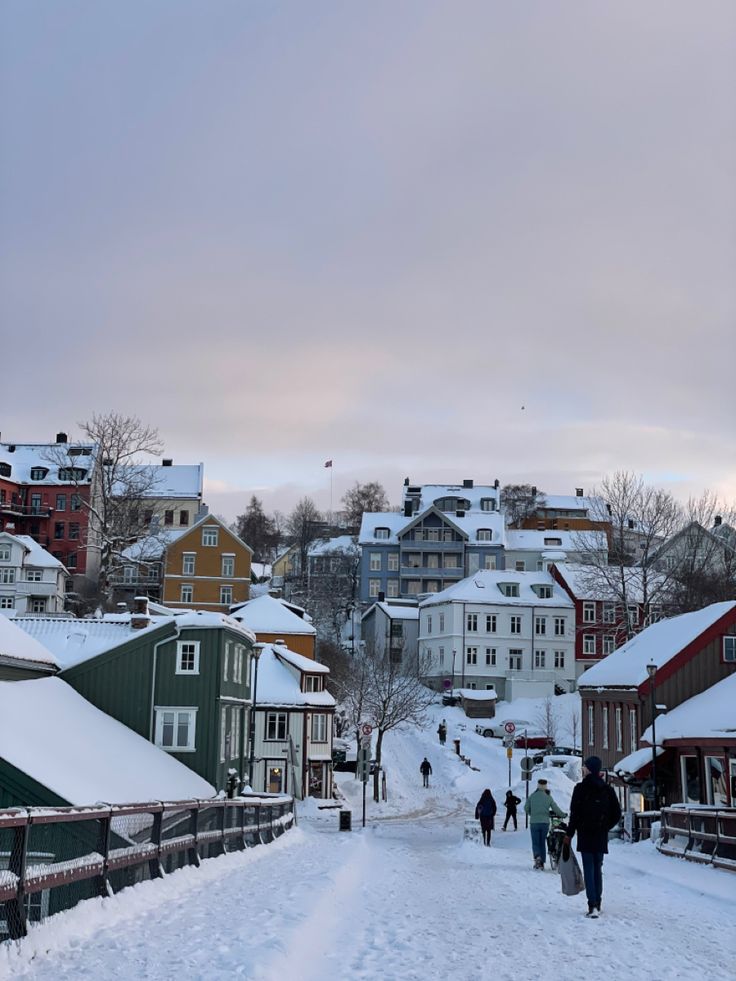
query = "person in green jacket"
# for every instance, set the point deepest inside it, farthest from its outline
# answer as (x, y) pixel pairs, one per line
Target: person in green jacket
(538, 806)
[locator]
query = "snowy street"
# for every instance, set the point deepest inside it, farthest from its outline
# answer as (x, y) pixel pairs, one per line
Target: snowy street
(405, 899)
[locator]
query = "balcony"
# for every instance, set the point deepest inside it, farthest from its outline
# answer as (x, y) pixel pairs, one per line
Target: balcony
(425, 572)
(25, 510)
(26, 587)
(123, 581)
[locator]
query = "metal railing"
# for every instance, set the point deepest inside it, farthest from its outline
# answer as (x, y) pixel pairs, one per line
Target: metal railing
(51, 859)
(700, 834)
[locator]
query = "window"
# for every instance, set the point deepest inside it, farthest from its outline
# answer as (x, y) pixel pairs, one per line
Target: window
(319, 728)
(553, 541)
(632, 729)
(471, 655)
(72, 473)
(238, 665)
(715, 781)
(186, 593)
(588, 612)
(393, 561)
(374, 588)
(4, 553)
(515, 625)
(392, 589)
(35, 503)
(313, 682)
(188, 563)
(452, 561)
(442, 656)
(491, 622)
(605, 727)
(489, 561)
(472, 621)
(71, 560)
(540, 625)
(520, 565)
(433, 560)
(619, 728)
(225, 733)
(560, 659)
(559, 626)
(484, 534)
(276, 727)
(75, 502)
(413, 587)
(429, 624)
(226, 595)
(7, 576)
(187, 657)
(540, 659)
(38, 473)
(515, 659)
(487, 504)
(175, 729)
(183, 518)
(74, 531)
(227, 569)
(61, 502)
(7, 603)
(168, 517)
(729, 650)
(633, 614)
(509, 588)
(375, 562)
(491, 656)
(591, 725)
(588, 644)
(59, 530)
(609, 644)
(442, 622)
(34, 575)
(211, 536)
(382, 533)
(544, 592)
(38, 604)
(609, 613)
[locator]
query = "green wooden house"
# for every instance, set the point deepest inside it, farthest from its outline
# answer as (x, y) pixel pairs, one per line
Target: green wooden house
(21, 656)
(181, 682)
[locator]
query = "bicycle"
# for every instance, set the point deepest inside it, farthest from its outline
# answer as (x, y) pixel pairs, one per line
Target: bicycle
(555, 836)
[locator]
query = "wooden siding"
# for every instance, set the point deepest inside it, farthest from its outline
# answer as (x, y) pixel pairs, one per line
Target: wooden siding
(18, 789)
(298, 643)
(207, 577)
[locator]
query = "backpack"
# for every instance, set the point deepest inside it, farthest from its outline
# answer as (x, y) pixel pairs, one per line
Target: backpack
(595, 809)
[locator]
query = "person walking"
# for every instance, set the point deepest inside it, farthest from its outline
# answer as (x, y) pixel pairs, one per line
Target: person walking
(594, 810)
(538, 806)
(442, 732)
(485, 812)
(425, 768)
(511, 802)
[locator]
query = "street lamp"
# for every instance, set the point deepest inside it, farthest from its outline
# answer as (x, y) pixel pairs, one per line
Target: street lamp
(453, 672)
(652, 672)
(256, 653)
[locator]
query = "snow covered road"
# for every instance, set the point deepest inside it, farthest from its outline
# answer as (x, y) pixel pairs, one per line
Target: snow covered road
(406, 899)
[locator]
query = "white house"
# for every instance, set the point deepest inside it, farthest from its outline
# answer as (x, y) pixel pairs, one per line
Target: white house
(510, 631)
(292, 750)
(31, 579)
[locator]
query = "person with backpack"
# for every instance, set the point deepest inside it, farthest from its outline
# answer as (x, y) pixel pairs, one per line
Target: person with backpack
(511, 802)
(594, 810)
(539, 806)
(425, 768)
(442, 732)
(485, 812)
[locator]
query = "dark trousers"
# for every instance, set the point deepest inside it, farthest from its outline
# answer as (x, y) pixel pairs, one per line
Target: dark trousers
(539, 841)
(510, 816)
(593, 875)
(425, 778)
(486, 826)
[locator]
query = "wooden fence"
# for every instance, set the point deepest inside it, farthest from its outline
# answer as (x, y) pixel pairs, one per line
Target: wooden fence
(53, 858)
(700, 834)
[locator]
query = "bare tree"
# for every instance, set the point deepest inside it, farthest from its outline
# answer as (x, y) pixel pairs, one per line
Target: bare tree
(304, 525)
(258, 530)
(361, 498)
(122, 488)
(574, 726)
(520, 501)
(332, 588)
(547, 720)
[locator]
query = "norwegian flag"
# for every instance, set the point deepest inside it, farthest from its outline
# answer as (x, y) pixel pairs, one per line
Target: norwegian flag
(328, 463)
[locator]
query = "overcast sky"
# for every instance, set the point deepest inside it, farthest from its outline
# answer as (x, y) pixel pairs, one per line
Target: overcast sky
(436, 240)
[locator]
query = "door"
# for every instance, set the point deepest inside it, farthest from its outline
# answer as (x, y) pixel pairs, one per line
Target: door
(275, 779)
(315, 779)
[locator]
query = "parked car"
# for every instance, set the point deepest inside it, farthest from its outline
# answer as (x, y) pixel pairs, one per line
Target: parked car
(563, 751)
(450, 700)
(496, 729)
(533, 740)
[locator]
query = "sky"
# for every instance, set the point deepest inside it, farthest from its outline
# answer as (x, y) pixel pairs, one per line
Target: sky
(429, 239)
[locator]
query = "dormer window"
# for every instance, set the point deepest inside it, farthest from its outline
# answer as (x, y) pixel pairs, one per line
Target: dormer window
(382, 533)
(452, 504)
(485, 534)
(543, 592)
(72, 473)
(553, 541)
(5, 470)
(313, 682)
(488, 504)
(38, 473)
(509, 588)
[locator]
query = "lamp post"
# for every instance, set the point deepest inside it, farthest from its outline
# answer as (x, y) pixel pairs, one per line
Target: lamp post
(453, 672)
(652, 672)
(257, 650)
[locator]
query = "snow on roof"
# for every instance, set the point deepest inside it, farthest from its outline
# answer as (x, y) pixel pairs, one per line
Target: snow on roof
(269, 615)
(429, 493)
(397, 612)
(277, 685)
(73, 641)
(16, 643)
(210, 620)
(28, 456)
(261, 569)
(635, 761)
(483, 587)
(477, 694)
(153, 546)
(709, 715)
(659, 643)
(469, 523)
(589, 582)
(371, 520)
(327, 546)
(82, 754)
(38, 556)
(571, 502)
(569, 541)
(180, 481)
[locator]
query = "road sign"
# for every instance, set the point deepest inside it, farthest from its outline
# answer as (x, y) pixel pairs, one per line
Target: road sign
(366, 729)
(527, 764)
(509, 752)
(365, 742)
(364, 765)
(509, 727)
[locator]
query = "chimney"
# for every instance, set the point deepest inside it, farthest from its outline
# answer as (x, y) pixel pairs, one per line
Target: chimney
(717, 521)
(631, 524)
(140, 616)
(407, 509)
(61, 437)
(496, 484)
(468, 484)
(578, 492)
(166, 463)
(406, 481)
(381, 597)
(534, 491)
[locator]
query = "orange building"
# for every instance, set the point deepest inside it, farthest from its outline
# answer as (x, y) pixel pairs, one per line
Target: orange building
(273, 619)
(207, 568)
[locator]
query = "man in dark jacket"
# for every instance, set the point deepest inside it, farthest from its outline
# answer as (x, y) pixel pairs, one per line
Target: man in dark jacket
(594, 810)
(511, 803)
(425, 768)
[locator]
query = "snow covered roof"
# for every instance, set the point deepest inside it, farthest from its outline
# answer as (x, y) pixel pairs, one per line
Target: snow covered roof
(82, 754)
(73, 641)
(708, 715)
(372, 520)
(477, 694)
(659, 643)
(38, 556)
(568, 541)
(17, 644)
(268, 615)
(327, 546)
(25, 457)
(483, 587)
(571, 502)
(153, 546)
(157, 481)
(636, 761)
(429, 493)
(396, 611)
(469, 524)
(588, 582)
(277, 685)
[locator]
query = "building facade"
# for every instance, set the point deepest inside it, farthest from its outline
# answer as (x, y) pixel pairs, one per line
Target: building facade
(31, 579)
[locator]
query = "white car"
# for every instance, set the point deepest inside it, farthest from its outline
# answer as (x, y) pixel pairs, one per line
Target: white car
(496, 729)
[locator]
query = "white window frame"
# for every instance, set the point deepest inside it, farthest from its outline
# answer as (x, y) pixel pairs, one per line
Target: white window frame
(484, 535)
(227, 565)
(633, 613)
(729, 650)
(619, 726)
(375, 562)
(540, 659)
(560, 660)
(382, 533)
(588, 612)
(520, 565)
(540, 626)
(442, 622)
(210, 536)
(559, 626)
(604, 724)
(392, 562)
(471, 623)
(609, 612)
(609, 643)
(5, 553)
(429, 623)
(634, 741)
(188, 563)
(516, 659)
(276, 718)
(226, 595)
(588, 643)
(491, 623)
(374, 588)
(181, 645)
(319, 727)
(515, 624)
(489, 561)
(7, 577)
(442, 656)
(177, 710)
(491, 656)
(392, 588)
(471, 655)
(7, 602)
(186, 593)
(591, 725)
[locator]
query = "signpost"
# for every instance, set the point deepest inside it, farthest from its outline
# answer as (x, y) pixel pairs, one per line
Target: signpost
(509, 727)
(364, 758)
